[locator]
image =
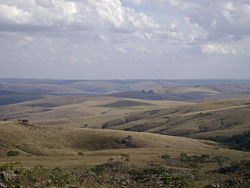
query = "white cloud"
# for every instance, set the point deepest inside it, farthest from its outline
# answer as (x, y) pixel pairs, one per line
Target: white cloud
(217, 49)
(121, 50)
(220, 19)
(96, 34)
(94, 14)
(15, 15)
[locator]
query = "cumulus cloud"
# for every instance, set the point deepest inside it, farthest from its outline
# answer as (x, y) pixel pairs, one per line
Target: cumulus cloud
(183, 31)
(121, 50)
(217, 49)
(15, 15)
(223, 20)
(123, 36)
(94, 14)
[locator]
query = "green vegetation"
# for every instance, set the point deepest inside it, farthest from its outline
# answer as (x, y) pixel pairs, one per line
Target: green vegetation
(193, 161)
(12, 153)
(13, 176)
(23, 121)
(242, 166)
(122, 173)
(60, 178)
(239, 141)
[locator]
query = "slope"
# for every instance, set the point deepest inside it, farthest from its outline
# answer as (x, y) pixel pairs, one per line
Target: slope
(190, 93)
(69, 147)
(207, 120)
(79, 111)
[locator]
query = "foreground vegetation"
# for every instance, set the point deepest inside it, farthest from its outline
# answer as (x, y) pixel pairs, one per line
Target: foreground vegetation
(82, 157)
(239, 142)
(122, 173)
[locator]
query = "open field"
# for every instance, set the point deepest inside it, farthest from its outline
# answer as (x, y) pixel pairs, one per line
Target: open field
(79, 111)
(223, 118)
(33, 141)
(105, 141)
(21, 90)
(196, 93)
(214, 120)
(85, 149)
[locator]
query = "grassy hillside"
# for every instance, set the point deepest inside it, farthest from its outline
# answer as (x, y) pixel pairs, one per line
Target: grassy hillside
(63, 151)
(191, 93)
(79, 111)
(187, 90)
(11, 97)
(34, 142)
(93, 158)
(213, 120)
(208, 120)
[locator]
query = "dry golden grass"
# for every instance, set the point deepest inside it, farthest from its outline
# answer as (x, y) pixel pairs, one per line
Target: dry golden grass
(180, 90)
(78, 111)
(202, 120)
(64, 137)
(84, 148)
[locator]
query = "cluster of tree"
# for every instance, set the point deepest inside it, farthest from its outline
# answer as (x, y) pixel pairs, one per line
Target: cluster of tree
(238, 142)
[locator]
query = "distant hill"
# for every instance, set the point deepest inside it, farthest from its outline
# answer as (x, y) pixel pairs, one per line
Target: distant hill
(29, 89)
(215, 120)
(72, 111)
(191, 93)
(12, 97)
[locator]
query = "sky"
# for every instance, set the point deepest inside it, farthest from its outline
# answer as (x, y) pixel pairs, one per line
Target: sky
(125, 39)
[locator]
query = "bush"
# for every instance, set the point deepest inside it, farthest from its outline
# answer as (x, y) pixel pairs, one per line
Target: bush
(236, 167)
(165, 157)
(23, 121)
(220, 160)
(175, 181)
(80, 153)
(60, 178)
(12, 153)
(8, 166)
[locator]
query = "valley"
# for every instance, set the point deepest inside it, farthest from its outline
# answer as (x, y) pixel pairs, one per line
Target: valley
(176, 143)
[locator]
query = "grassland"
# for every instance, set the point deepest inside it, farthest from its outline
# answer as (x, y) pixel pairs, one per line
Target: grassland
(205, 120)
(196, 93)
(79, 111)
(104, 141)
(214, 120)
(21, 90)
(84, 149)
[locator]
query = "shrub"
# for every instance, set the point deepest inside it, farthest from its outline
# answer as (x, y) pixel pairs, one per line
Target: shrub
(23, 121)
(220, 160)
(60, 179)
(80, 153)
(165, 157)
(236, 167)
(174, 180)
(12, 153)
(8, 166)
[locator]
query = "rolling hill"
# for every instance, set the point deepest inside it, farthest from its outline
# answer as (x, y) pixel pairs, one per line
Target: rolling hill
(208, 120)
(214, 120)
(190, 93)
(79, 111)
(105, 141)
(57, 156)
(21, 90)
(34, 141)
